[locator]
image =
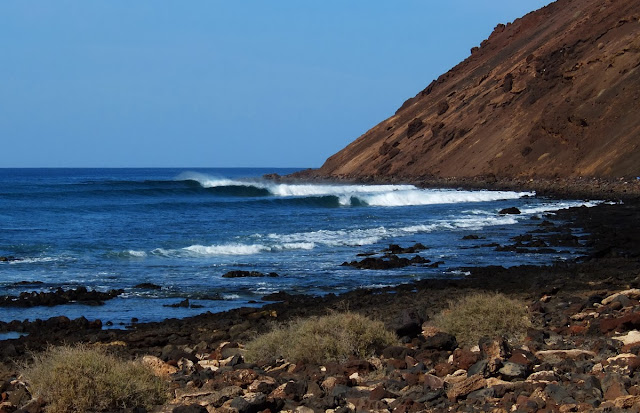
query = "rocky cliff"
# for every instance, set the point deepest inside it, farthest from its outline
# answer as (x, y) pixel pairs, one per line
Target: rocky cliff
(554, 94)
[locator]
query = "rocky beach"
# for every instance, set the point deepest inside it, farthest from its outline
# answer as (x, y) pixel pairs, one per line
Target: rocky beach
(548, 103)
(581, 353)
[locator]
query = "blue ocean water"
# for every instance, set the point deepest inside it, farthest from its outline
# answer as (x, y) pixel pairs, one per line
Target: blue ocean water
(183, 229)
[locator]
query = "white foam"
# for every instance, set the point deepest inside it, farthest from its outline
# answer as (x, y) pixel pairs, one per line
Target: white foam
(226, 249)
(354, 237)
(137, 254)
(33, 260)
(432, 197)
(294, 246)
(373, 195)
(555, 206)
(230, 296)
(231, 249)
(369, 236)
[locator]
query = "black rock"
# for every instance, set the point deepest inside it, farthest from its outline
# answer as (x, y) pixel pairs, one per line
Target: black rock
(512, 211)
(148, 286)
(441, 341)
(80, 295)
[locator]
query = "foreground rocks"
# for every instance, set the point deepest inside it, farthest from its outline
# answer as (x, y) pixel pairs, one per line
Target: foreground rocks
(581, 355)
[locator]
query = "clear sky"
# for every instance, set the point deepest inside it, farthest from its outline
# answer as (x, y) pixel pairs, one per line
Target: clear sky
(206, 83)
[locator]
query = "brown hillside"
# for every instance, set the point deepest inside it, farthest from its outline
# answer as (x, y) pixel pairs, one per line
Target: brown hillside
(556, 93)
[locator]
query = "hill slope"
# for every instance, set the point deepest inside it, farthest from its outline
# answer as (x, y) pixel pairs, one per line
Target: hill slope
(556, 93)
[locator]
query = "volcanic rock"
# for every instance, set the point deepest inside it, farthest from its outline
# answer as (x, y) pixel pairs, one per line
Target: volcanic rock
(552, 94)
(393, 261)
(79, 295)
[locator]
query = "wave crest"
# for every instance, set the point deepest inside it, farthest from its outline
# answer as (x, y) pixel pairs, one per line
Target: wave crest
(350, 195)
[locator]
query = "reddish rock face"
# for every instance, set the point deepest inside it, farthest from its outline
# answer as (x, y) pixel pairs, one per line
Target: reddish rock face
(556, 93)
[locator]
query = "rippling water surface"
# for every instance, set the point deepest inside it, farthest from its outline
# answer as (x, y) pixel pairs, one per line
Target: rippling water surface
(182, 229)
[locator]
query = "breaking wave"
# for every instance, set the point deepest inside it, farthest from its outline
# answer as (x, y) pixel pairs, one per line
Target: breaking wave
(350, 195)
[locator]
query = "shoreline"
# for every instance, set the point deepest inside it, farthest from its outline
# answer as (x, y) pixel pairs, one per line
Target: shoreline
(624, 188)
(612, 265)
(475, 280)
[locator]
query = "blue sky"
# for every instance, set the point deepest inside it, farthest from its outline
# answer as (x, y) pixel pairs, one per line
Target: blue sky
(219, 84)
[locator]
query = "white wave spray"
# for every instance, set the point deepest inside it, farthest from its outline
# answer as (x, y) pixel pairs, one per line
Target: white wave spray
(373, 195)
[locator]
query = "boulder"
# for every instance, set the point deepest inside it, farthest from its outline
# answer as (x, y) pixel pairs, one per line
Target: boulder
(512, 371)
(440, 341)
(633, 293)
(466, 386)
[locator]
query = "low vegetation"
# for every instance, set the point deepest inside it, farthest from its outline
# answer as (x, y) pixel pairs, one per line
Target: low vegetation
(81, 379)
(485, 314)
(334, 337)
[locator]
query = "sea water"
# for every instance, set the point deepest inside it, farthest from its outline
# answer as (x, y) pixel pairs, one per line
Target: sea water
(183, 229)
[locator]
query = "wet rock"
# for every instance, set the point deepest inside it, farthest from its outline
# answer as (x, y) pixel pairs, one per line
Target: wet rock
(22, 283)
(397, 249)
(509, 211)
(471, 237)
(183, 304)
(148, 286)
(392, 261)
(79, 295)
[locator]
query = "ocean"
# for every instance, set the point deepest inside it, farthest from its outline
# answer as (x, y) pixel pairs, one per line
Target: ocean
(183, 229)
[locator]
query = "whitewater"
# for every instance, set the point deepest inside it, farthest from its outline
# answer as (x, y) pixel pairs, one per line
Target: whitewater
(183, 229)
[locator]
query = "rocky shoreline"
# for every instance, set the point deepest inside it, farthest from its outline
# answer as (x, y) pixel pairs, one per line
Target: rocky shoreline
(569, 362)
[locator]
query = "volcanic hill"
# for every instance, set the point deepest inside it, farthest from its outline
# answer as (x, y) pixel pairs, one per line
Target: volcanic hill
(555, 94)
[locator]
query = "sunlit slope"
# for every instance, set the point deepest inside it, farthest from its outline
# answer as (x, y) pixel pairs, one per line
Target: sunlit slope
(556, 93)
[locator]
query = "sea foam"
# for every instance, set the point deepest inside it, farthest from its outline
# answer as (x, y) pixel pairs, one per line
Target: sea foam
(372, 195)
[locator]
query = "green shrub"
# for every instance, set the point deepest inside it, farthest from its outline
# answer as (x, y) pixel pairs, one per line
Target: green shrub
(484, 314)
(333, 337)
(80, 379)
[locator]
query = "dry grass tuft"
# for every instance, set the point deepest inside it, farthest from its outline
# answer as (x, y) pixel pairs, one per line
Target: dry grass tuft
(81, 379)
(334, 337)
(485, 314)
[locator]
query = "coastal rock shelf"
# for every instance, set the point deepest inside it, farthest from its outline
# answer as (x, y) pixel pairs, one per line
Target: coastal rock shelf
(79, 295)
